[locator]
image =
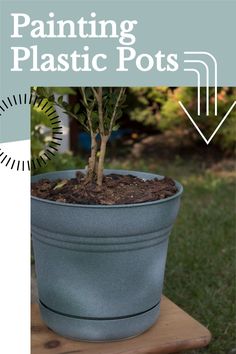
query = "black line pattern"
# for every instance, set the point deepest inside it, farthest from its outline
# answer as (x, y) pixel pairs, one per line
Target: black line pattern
(56, 129)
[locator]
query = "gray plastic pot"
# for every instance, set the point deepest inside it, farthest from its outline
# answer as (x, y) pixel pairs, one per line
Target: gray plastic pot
(100, 269)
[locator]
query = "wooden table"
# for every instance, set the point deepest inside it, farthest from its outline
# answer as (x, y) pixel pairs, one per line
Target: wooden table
(175, 331)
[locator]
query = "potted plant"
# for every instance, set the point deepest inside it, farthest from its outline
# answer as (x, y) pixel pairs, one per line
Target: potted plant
(100, 256)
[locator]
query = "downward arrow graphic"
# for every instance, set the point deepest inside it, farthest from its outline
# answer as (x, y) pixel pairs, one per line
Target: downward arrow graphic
(207, 141)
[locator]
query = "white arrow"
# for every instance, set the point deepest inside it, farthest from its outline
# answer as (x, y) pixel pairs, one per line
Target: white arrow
(207, 141)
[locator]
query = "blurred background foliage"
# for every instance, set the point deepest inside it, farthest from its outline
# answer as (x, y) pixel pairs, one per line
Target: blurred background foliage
(158, 107)
(40, 130)
(154, 111)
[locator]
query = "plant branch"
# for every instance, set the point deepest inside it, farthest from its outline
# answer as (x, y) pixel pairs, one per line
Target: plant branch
(95, 92)
(99, 98)
(91, 173)
(121, 93)
(104, 140)
(88, 111)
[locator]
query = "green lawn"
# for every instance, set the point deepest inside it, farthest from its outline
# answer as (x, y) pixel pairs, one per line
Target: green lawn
(200, 275)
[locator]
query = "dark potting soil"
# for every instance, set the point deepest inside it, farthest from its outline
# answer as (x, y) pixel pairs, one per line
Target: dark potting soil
(116, 189)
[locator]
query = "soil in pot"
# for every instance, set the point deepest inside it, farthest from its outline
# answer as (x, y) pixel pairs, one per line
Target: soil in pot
(116, 189)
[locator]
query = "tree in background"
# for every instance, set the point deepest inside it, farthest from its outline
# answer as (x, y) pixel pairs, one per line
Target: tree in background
(145, 103)
(158, 107)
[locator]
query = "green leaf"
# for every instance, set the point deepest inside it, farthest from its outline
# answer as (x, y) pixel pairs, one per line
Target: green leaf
(95, 116)
(81, 118)
(64, 90)
(41, 91)
(65, 104)
(76, 108)
(60, 100)
(116, 127)
(51, 98)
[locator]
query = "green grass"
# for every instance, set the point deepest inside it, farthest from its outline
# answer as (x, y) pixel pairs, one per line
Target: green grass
(201, 267)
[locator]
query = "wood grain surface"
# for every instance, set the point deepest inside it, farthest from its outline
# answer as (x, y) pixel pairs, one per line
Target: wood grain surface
(175, 331)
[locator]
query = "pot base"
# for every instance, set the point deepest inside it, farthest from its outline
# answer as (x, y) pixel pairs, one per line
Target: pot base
(99, 330)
